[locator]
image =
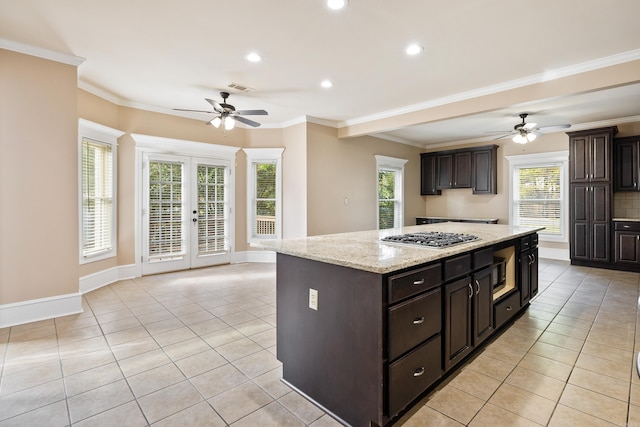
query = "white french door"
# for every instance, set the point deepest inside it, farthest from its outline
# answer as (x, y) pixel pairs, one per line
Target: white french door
(186, 213)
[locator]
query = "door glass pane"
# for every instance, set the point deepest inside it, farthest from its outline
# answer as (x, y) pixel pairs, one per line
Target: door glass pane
(212, 218)
(386, 198)
(166, 222)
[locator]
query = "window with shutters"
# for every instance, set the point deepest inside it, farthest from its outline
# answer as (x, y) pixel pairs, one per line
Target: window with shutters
(264, 193)
(97, 200)
(390, 191)
(538, 193)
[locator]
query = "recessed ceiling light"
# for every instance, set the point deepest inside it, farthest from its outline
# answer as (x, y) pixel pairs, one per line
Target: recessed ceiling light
(326, 84)
(337, 4)
(253, 57)
(414, 49)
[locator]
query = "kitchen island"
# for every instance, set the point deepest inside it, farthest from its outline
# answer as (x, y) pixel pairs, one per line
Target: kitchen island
(365, 327)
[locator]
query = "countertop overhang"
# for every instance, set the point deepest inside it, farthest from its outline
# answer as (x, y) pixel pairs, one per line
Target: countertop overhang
(363, 250)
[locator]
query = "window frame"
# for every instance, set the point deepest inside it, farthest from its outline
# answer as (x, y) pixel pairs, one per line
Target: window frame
(256, 156)
(107, 136)
(395, 165)
(555, 158)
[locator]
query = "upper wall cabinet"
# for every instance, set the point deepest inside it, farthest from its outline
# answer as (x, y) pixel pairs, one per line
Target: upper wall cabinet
(589, 158)
(626, 163)
(465, 168)
(428, 176)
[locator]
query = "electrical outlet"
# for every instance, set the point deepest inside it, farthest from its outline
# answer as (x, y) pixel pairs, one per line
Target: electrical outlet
(313, 299)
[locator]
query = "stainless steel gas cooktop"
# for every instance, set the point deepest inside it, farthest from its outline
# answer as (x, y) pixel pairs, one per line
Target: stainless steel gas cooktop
(431, 239)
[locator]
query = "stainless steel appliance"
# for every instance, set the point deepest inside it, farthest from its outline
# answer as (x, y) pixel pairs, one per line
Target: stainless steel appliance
(499, 273)
(431, 239)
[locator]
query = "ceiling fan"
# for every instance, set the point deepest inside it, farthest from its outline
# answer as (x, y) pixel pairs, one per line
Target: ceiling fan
(227, 115)
(527, 132)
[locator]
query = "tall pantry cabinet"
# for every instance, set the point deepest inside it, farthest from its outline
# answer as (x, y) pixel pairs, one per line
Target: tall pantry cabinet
(590, 194)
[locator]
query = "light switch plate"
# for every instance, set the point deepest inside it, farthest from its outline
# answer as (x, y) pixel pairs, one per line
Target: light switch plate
(313, 299)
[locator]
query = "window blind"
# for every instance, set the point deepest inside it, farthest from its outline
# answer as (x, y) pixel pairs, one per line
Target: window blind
(264, 201)
(387, 200)
(538, 198)
(97, 197)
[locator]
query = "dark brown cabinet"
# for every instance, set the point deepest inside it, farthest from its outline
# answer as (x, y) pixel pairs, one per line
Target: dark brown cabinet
(590, 165)
(468, 304)
(457, 308)
(484, 175)
(454, 170)
(528, 271)
(474, 168)
(428, 177)
(482, 305)
(590, 213)
(627, 163)
(590, 155)
(627, 243)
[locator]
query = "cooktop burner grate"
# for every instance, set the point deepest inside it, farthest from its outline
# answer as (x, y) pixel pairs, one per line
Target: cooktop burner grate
(432, 239)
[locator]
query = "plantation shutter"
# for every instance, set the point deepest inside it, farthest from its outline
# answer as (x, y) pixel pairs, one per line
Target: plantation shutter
(537, 198)
(97, 197)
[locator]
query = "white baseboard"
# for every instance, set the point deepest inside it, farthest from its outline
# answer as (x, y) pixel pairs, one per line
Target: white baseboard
(63, 305)
(552, 253)
(94, 281)
(253, 256)
(39, 309)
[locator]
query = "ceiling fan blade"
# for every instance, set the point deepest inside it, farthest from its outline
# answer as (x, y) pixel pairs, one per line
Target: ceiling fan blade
(554, 127)
(252, 112)
(505, 135)
(195, 111)
(530, 126)
(246, 121)
(215, 105)
(499, 131)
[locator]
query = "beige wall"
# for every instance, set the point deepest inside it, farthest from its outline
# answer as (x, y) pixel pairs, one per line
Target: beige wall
(340, 169)
(38, 178)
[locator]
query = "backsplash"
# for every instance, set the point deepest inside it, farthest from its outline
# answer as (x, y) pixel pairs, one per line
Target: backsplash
(626, 204)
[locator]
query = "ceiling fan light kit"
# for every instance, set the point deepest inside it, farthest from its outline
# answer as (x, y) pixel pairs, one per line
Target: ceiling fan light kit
(528, 132)
(227, 115)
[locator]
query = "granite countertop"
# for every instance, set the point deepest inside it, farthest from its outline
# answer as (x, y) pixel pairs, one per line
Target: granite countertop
(363, 250)
(627, 219)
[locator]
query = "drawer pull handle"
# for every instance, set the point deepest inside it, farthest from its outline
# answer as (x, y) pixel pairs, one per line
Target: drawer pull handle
(626, 226)
(509, 308)
(418, 372)
(418, 320)
(419, 282)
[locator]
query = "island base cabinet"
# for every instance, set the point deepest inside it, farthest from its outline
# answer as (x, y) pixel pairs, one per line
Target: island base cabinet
(334, 355)
(412, 374)
(457, 326)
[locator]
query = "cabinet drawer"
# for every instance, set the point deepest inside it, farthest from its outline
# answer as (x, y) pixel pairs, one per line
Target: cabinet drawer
(626, 226)
(413, 321)
(413, 282)
(456, 267)
(482, 258)
(506, 308)
(411, 375)
(525, 243)
(534, 240)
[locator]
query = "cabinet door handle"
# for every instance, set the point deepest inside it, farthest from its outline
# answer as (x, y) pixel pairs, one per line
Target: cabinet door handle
(470, 291)
(419, 282)
(477, 287)
(418, 372)
(418, 320)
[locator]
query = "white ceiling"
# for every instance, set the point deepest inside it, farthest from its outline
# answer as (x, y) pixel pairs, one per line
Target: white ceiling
(161, 55)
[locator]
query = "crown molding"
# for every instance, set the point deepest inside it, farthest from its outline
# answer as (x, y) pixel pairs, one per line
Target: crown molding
(571, 70)
(40, 52)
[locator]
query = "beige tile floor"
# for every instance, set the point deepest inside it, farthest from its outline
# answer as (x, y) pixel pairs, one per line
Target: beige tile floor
(197, 348)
